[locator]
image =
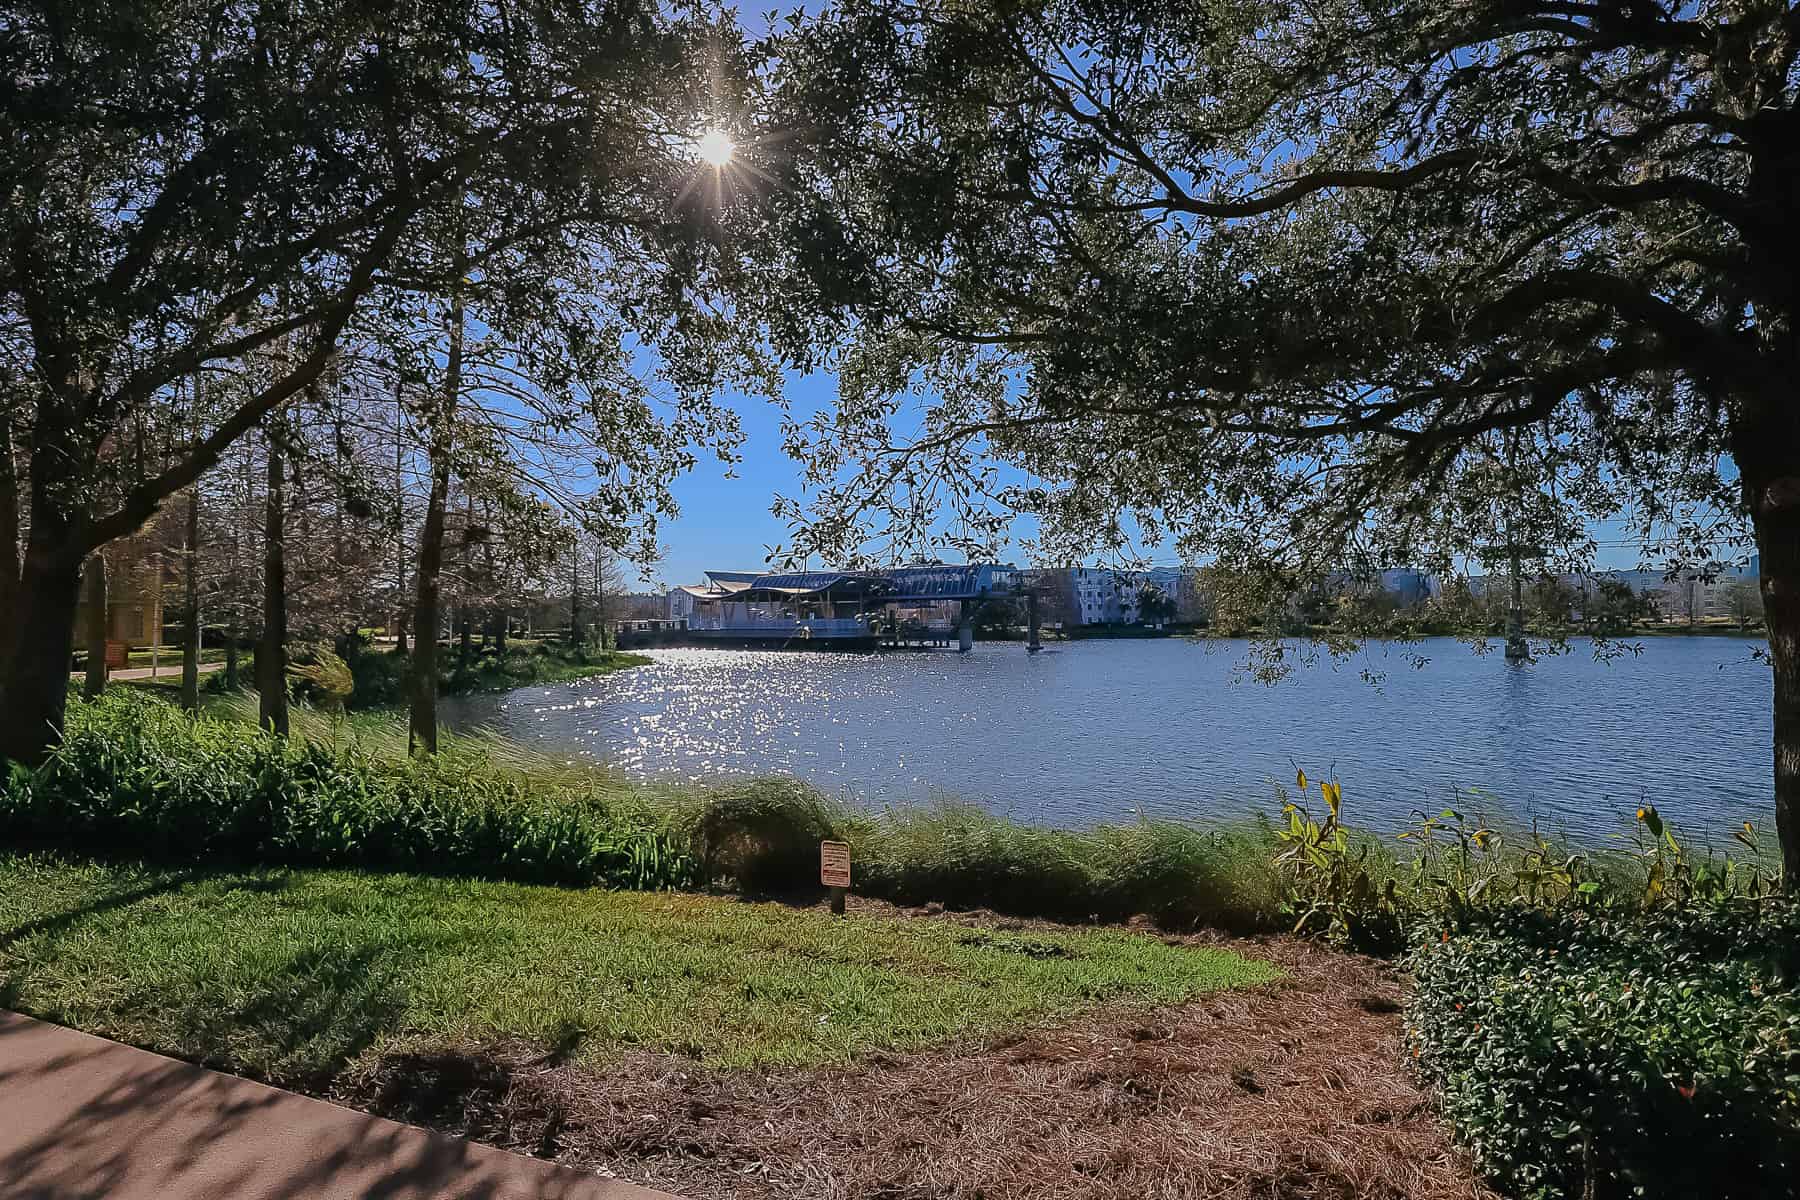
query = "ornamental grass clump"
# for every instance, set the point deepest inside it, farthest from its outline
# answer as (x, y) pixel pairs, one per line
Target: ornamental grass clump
(1178, 875)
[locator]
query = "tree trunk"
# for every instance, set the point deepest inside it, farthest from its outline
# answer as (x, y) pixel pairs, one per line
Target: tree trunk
(34, 688)
(190, 634)
(500, 633)
(37, 669)
(9, 524)
(271, 652)
(575, 600)
(600, 597)
(422, 735)
(96, 627)
(463, 632)
(231, 661)
(1766, 451)
(400, 606)
(422, 731)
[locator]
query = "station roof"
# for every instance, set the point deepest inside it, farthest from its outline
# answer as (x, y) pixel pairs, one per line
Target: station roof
(818, 583)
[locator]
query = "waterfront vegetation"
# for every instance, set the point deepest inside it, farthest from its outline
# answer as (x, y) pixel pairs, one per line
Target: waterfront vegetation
(1597, 1025)
(282, 904)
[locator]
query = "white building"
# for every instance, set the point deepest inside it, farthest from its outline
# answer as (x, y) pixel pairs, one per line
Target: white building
(1103, 596)
(718, 585)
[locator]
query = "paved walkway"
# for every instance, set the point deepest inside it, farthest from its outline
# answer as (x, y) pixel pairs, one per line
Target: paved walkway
(85, 1118)
(168, 670)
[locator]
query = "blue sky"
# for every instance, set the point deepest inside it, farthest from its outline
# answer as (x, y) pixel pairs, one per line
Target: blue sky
(725, 523)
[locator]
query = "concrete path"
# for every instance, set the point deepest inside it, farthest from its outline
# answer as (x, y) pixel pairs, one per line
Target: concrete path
(85, 1118)
(168, 670)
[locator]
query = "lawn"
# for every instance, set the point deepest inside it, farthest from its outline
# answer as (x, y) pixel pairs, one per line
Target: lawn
(292, 975)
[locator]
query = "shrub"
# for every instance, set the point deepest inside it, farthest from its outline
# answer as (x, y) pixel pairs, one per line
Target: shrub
(138, 774)
(378, 677)
(1587, 1053)
(762, 835)
(1600, 1024)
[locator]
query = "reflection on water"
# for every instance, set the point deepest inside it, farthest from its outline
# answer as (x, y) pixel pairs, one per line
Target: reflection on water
(1095, 731)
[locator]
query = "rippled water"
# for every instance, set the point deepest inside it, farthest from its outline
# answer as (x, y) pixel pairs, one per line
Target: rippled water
(1101, 730)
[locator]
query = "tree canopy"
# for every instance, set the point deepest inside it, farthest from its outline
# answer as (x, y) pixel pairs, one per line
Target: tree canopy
(1309, 287)
(244, 187)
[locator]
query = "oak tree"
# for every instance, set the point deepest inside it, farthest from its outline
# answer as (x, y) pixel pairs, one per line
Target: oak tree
(1306, 287)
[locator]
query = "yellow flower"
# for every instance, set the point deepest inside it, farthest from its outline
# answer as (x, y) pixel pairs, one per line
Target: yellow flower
(1300, 780)
(1643, 814)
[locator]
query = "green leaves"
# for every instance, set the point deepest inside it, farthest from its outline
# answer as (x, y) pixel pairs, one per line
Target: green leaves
(1282, 286)
(138, 774)
(1650, 1053)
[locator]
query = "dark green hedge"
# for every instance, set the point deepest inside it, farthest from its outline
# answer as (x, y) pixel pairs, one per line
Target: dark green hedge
(1647, 1054)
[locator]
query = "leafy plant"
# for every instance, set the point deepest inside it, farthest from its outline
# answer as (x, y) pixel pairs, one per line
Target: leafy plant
(1674, 876)
(1612, 1054)
(136, 773)
(1331, 887)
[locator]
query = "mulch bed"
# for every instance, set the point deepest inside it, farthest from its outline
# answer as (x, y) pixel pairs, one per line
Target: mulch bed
(1297, 1089)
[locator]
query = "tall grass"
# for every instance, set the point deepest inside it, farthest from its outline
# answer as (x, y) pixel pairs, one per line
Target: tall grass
(764, 835)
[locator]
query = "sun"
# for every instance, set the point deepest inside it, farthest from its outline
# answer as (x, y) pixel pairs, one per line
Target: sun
(716, 148)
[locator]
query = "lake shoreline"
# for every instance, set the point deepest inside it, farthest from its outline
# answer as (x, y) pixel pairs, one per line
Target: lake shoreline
(1091, 732)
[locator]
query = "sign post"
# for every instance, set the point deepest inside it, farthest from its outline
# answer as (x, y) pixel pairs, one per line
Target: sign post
(834, 871)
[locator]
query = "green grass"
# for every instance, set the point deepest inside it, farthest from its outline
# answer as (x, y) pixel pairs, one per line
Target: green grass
(293, 975)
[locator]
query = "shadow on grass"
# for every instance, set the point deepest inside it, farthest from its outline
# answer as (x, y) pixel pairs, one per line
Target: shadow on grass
(297, 1019)
(87, 1117)
(58, 922)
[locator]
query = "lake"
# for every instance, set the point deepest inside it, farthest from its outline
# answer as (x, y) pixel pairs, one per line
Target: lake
(1095, 731)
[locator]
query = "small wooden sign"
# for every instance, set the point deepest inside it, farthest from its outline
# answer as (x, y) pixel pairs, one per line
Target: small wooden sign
(116, 655)
(834, 864)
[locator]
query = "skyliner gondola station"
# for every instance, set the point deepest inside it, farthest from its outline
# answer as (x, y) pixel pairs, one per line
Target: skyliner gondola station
(848, 610)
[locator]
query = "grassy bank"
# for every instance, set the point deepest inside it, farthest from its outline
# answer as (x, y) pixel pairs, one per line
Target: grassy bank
(137, 774)
(291, 975)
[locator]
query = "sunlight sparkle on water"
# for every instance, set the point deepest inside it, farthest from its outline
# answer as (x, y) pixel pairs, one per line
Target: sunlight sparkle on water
(1104, 731)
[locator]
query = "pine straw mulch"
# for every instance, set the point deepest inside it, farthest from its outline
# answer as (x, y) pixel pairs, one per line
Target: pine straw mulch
(1294, 1090)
